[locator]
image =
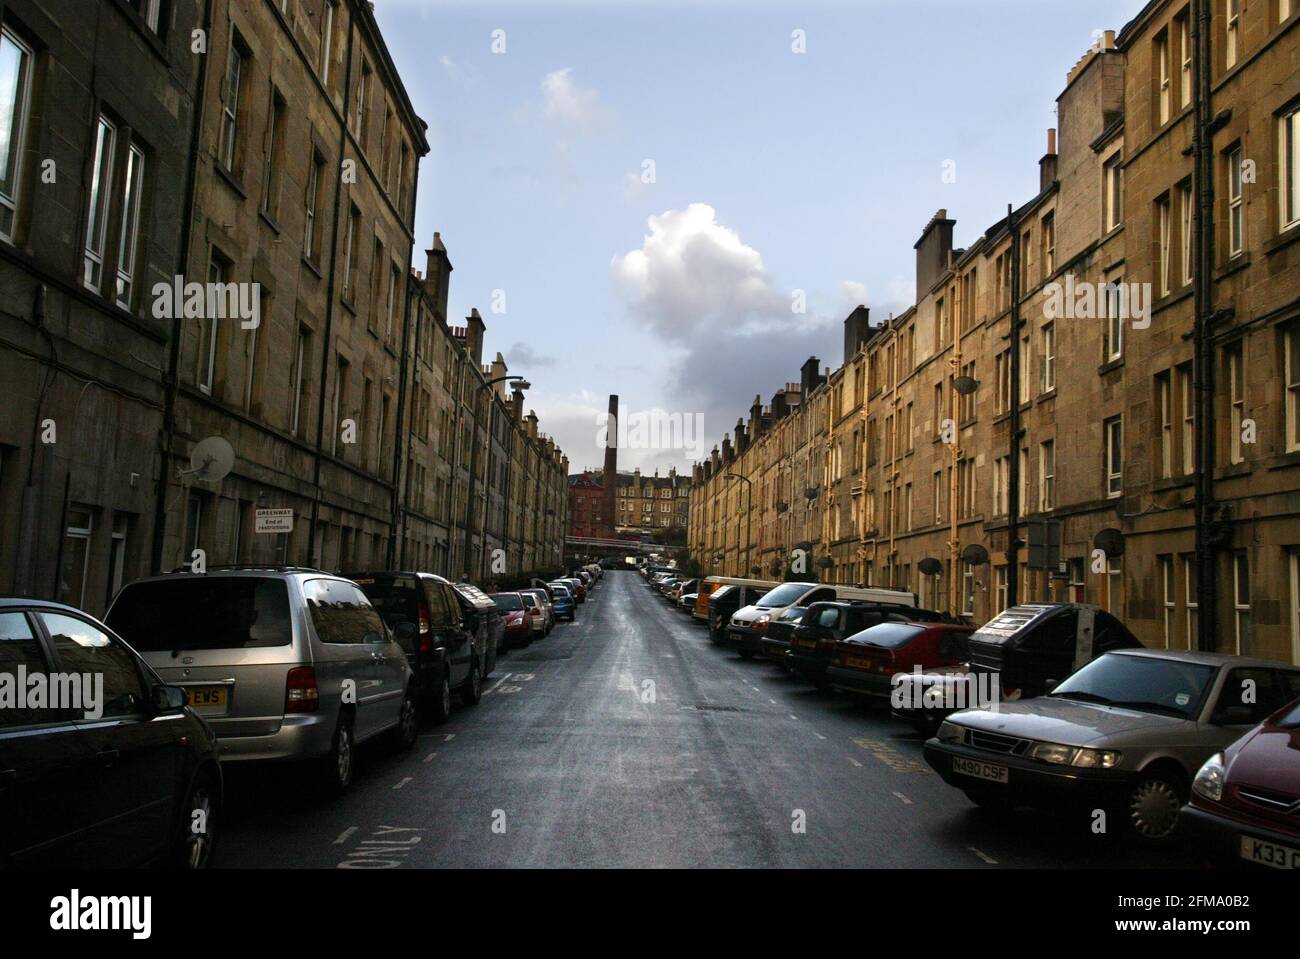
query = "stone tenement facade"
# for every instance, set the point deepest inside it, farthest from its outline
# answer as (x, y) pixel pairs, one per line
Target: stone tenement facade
(271, 146)
(1117, 360)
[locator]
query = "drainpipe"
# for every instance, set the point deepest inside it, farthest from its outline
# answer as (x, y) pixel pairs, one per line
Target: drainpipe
(1013, 471)
(172, 383)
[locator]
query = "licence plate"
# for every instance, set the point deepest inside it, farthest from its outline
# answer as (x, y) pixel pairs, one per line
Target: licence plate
(979, 770)
(1269, 853)
(217, 696)
(854, 662)
(808, 643)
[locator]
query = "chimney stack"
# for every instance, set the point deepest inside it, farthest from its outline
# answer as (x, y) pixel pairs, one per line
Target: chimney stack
(437, 277)
(474, 330)
(1047, 165)
(611, 464)
(933, 251)
(857, 327)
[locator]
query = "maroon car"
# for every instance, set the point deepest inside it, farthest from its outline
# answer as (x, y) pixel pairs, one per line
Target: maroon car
(518, 622)
(1245, 806)
(866, 662)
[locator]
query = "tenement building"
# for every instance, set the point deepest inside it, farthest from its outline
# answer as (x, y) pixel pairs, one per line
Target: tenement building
(1098, 399)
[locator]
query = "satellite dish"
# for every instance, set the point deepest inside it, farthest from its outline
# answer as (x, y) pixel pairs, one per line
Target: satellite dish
(975, 554)
(965, 385)
(211, 460)
(930, 566)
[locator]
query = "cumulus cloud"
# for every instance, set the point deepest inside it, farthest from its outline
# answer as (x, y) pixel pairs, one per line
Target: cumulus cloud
(852, 293)
(524, 356)
(574, 108)
(692, 272)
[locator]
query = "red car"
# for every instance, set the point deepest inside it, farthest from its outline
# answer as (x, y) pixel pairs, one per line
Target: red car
(518, 622)
(866, 662)
(1245, 804)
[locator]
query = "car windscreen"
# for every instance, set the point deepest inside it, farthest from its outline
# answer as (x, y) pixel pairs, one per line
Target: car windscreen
(203, 612)
(506, 603)
(561, 592)
(888, 635)
(783, 595)
(1145, 683)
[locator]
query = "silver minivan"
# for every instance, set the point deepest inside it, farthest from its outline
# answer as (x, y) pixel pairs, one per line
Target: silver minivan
(283, 664)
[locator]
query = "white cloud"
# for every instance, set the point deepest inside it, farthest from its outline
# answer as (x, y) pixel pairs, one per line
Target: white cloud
(852, 293)
(573, 107)
(692, 272)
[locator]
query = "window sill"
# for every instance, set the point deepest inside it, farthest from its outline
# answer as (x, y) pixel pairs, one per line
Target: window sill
(269, 221)
(1233, 470)
(231, 180)
(1285, 460)
(1046, 395)
(1110, 366)
(1284, 239)
(347, 305)
(1234, 265)
(1166, 483)
(310, 265)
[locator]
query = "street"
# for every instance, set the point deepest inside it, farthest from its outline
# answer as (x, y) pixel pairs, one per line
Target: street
(629, 740)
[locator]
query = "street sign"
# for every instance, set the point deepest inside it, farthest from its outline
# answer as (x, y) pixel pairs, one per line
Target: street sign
(273, 521)
(1044, 543)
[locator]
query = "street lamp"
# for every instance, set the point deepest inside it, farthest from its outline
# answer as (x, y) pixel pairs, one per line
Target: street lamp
(749, 507)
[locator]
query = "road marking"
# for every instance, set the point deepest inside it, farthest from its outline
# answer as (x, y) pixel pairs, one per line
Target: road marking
(429, 758)
(855, 762)
(891, 757)
(793, 716)
(906, 801)
(405, 780)
(343, 837)
(448, 737)
(499, 682)
(988, 859)
(772, 701)
(819, 736)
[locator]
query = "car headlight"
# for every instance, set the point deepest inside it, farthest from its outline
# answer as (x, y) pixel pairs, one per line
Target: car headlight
(950, 732)
(1052, 753)
(1209, 780)
(1073, 756)
(1098, 758)
(762, 620)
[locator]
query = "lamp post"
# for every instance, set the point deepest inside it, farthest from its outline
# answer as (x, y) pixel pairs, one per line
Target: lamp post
(749, 508)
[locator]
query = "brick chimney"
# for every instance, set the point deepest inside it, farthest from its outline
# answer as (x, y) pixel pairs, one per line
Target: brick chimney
(810, 376)
(474, 330)
(857, 329)
(933, 251)
(1047, 165)
(611, 462)
(437, 276)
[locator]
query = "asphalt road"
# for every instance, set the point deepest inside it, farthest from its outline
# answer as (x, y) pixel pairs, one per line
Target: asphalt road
(629, 740)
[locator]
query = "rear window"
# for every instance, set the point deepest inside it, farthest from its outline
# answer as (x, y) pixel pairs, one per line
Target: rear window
(889, 635)
(507, 603)
(395, 598)
(203, 612)
(341, 613)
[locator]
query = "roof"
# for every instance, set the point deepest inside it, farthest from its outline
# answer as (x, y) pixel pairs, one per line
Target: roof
(1203, 658)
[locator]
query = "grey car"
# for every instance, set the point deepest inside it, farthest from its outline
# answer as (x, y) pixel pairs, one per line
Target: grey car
(1126, 733)
(283, 664)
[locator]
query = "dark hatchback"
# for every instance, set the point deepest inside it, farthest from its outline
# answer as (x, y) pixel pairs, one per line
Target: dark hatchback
(723, 603)
(441, 642)
(123, 789)
(780, 633)
(827, 623)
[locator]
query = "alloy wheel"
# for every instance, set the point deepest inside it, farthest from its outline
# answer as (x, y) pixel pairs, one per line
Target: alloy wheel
(1153, 808)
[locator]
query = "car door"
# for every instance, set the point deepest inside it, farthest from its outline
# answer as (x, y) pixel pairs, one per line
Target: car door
(466, 624)
(348, 673)
(1247, 696)
(134, 749)
(387, 664)
(45, 764)
(450, 631)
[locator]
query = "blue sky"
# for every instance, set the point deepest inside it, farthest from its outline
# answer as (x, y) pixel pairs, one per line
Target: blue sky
(773, 172)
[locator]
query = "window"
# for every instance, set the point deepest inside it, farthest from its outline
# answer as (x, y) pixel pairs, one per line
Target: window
(230, 105)
(15, 87)
(327, 42)
(1113, 434)
(1048, 239)
(1164, 406)
(1165, 93)
(314, 201)
(340, 401)
(1237, 402)
(1022, 480)
(939, 495)
(1026, 261)
(1189, 588)
(1113, 337)
(1291, 361)
(149, 11)
(252, 366)
(376, 284)
(101, 185)
(1113, 192)
(76, 556)
(117, 555)
(968, 589)
(1186, 217)
(1185, 60)
(21, 659)
(363, 107)
(1289, 168)
(1165, 224)
(271, 174)
(299, 392)
(1233, 27)
(205, 375)
(1241, 600)
(1047, 475)
(86, 650)
(132, 187)
(1048, 379)
(1188, 398)
(1000, 587)
(349, 251)
(1025, 370)
(1235, 208)
(1001, 484)
(1002, 372)
(394, 286)
(1168, 607)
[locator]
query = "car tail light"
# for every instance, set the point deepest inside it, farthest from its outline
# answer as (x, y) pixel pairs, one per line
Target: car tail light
(426, 640)
(302, 695)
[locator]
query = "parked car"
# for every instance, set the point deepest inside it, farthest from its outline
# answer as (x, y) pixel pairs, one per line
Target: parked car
(867, 662)
(1026, 648)
(708, 585)
(724, 602)
(113, 783)
(442, 651)
(579, 591)
(816, 637)
(1245, 798)
(543, 598)
(749, 623)
(534, 613)
(776, 641)
(566, 607)
(1126, 733)
(686, 603)
(282, 663)
(483, 620)
(517, 617)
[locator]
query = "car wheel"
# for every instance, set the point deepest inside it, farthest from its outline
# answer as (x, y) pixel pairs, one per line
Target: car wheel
(439, 701)
(1153, 806)
(199, 816)
(408, 723)
(472, 689)
(336, 765)
(989, 799)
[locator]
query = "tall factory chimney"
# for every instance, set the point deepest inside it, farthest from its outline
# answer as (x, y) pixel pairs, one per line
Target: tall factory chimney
(611, 467)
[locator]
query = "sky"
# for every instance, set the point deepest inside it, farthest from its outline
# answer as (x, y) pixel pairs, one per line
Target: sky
(680, 202)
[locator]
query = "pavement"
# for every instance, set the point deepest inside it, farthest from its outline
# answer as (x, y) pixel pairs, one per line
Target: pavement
(627, 739)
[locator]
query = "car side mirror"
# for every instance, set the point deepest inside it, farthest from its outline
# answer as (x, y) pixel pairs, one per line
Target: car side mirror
(169, 699)
(405, 630)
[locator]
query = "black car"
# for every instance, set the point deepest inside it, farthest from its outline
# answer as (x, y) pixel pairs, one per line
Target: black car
(483, 619)
(125, 775)
(442, 645)
(723, 603)
(780, 633)
(812, 645)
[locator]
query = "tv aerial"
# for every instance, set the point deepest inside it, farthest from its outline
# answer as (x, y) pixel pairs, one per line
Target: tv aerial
(211, 460)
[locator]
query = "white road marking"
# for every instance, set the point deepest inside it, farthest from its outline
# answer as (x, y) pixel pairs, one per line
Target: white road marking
(793, 716)
(405, 780)
(429, 758)
(343, 837)
(855, 762)
(772, 701)
(819, 736)
(906, 801)
(499, 682)
(448, 737)
(988, 859)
